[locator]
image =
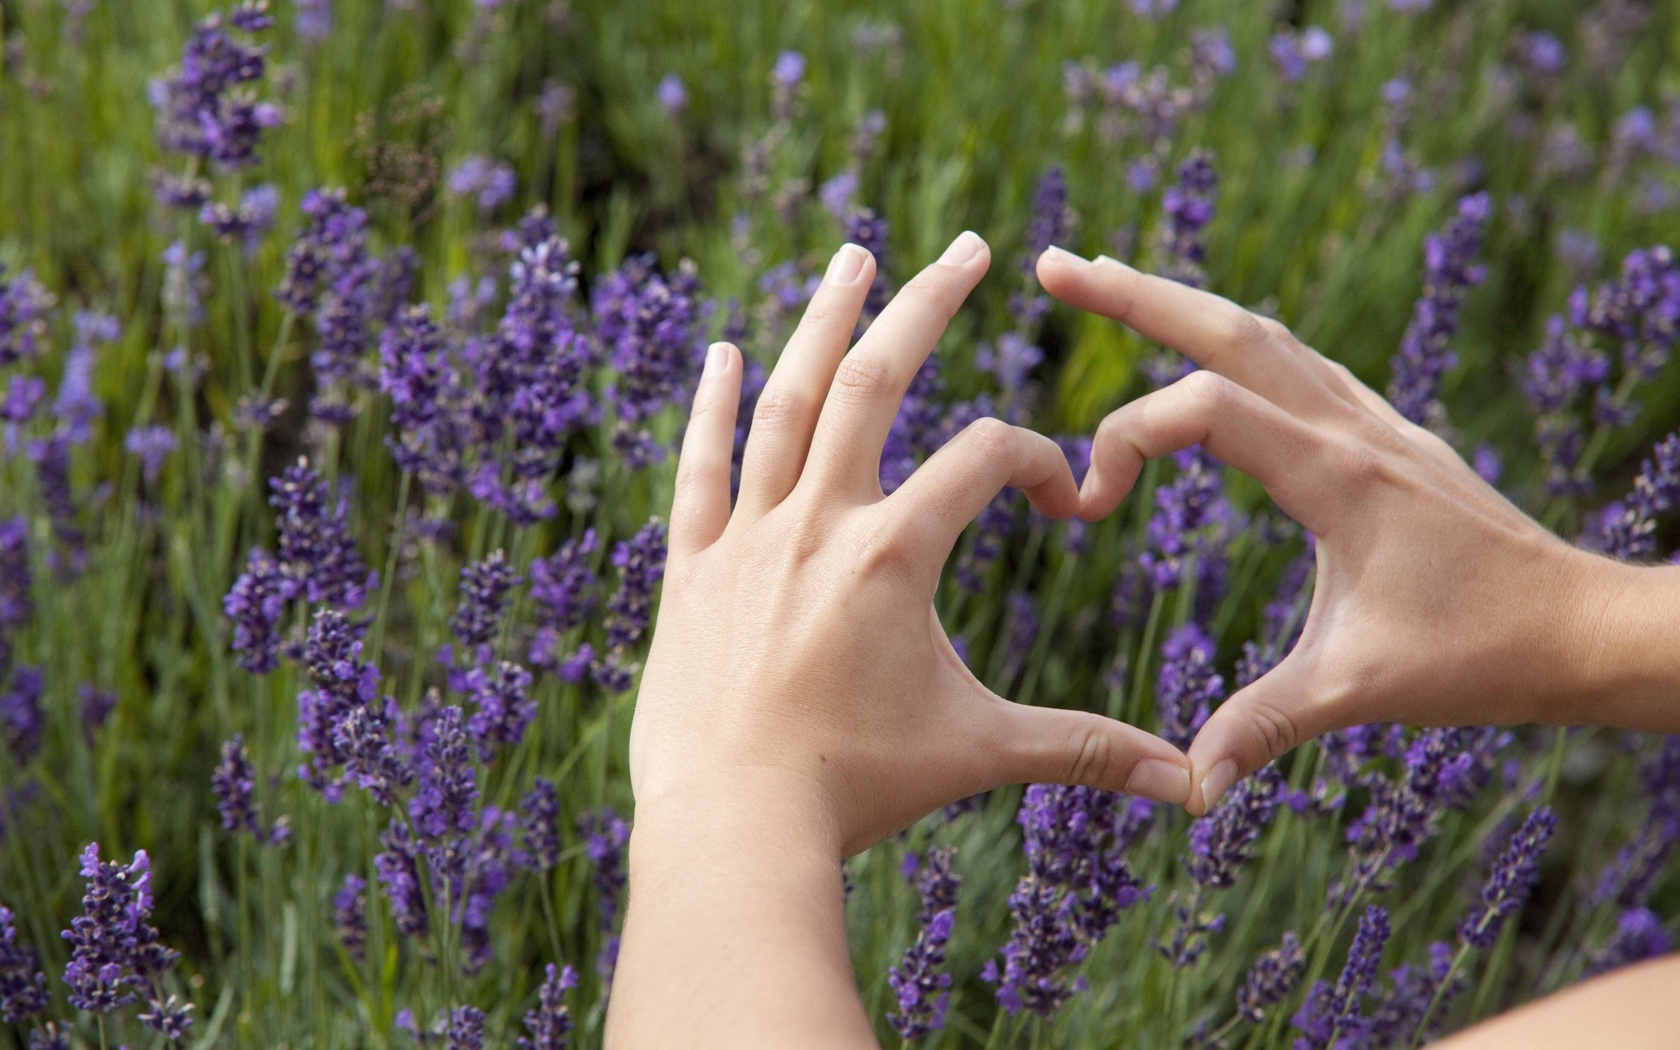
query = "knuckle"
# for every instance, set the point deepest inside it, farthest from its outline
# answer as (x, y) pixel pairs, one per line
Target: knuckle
(1093, 756)
(889, 552)
(1241, 329)
(1276, 329)
(929, 287)
(824, 312)
(1210, 390)
(779, 409)
(862, 378)
(991, 437)
(1357, 462)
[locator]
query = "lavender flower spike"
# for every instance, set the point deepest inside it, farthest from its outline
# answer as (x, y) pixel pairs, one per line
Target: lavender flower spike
(1513, 876)
(23, 987)
(115, 953)
(1628, 527)
(550, 1024)
(1449, 269)
(922, 990)
(1333, 1014)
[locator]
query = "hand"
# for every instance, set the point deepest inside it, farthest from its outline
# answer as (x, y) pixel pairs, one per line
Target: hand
(796, 636)
(1436, 601)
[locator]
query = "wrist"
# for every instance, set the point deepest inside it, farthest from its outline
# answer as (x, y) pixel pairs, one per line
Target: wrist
(1626, 669)
(735, 813)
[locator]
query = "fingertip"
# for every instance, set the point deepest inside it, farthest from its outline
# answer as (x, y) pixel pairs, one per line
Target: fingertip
(1213, 785)
(1054, 264)
(720, 357)
(1161, 779)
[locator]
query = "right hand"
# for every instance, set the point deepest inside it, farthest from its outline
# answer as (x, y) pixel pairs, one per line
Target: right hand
(1437, 602)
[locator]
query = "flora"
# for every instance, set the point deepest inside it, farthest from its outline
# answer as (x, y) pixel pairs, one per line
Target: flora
(336, 428)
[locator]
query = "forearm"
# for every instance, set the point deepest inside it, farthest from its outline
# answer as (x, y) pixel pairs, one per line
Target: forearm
(1631, 1009)
(735, 934)
(1630, 650)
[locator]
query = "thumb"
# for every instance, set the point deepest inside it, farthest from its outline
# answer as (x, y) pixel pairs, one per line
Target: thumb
(1044, 745)
(1260, 723)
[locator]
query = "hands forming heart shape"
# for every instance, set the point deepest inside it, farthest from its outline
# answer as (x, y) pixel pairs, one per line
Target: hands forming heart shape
(797, 653)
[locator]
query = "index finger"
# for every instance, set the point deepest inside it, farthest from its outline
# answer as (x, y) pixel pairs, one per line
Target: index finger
(1215, 333)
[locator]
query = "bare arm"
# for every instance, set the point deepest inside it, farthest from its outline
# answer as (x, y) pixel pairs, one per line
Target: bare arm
(1631, 1009)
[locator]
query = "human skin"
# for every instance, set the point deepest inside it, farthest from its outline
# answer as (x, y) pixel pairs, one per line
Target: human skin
(801, 700)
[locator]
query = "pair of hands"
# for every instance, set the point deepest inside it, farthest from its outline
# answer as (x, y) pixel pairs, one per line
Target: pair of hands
(797, 642)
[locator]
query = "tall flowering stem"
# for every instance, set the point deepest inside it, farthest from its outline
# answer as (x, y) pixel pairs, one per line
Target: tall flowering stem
(1425, 353)
(918, 982)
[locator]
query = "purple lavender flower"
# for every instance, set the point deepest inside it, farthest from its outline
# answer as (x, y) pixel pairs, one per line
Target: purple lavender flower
(202, 110)
(314, 20)
(550, 1024)
(539, 826)
(605, 836)
(256, 604)
(1640, 935)
(1628, 527)
(640, 561)
(1189, 205)
(248, 221)
(1188, 684)
(152, 445)
(399, 871)
(1294, 53)
(1211, 55)
(446, 787)
(502, 706)
(20, 713)
(921, 988)
(1639, 314)
(1449, 270)
(1509, 883)
(114, 952)
(562, 586)
(1220, 843)
(1051, 219)
(234, 783)
(25, 307)
(23, 987)
(414, 370)
(50, 1036)
(1443, 770)
(869, 231)
(1412, 1008)
(466, 1028)
(76, 406)
(350, 915)
(1333, 1014)
(1542, 53)
(1190, 529)
(372, 760)
(671, 94)
(1076, 885)
(484, 596)
(651, 325)
(1272, 980)
(491, 181)
(316, 549)
(341, 685)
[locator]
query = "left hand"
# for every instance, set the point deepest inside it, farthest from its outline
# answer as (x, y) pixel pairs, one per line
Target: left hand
(797, 642)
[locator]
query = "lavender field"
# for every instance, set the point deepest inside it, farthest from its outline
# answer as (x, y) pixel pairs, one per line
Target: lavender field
(345, 346)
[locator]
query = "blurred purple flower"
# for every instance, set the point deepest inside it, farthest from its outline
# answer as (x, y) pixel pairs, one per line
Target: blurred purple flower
(1332, 1017)
(316, 549)
(152, 445)
(539, 823)
(651, 325)
(1272, 980)
(640, 562)
(202, 109)
(672, 95)
(491, 181)
(1640, 935)
(1512, 879)
(1425, 353)
(921, 988)
(562, 586)
(350, 915)
(550, 1023)
(23, 987)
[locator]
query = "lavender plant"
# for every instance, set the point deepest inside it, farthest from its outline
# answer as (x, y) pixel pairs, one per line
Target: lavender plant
(344, 349)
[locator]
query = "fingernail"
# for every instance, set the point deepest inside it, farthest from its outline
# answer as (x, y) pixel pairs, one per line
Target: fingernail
(1161, 780)
(1217, 782)
(965, 247)
(846, 264)
(1063, 255)
(717, 355)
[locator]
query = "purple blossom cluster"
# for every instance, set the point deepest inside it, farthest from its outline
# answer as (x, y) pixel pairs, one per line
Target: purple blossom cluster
(1077, 884)
(203, 109)
(1333, 1015)
(1425, 353)
(650, 325)
(1514, 874)
(1187, 686)
(116, 956)
(918, 981)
